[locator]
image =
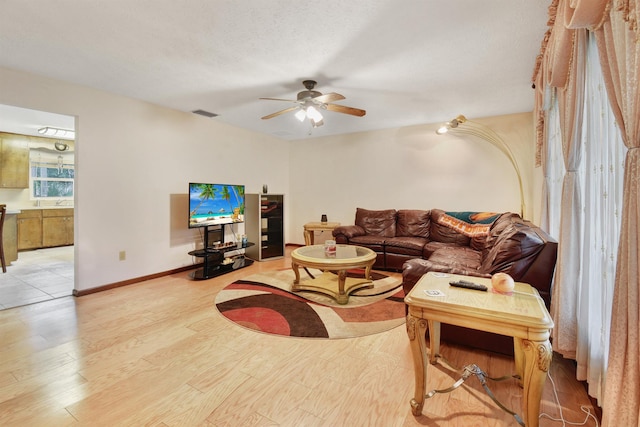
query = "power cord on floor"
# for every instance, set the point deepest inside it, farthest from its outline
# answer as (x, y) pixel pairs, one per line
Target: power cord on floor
(561, 419)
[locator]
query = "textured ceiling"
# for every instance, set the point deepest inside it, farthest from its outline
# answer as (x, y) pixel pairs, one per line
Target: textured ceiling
(406, 62)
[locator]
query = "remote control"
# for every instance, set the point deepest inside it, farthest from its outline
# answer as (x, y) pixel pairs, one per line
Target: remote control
(468, 285)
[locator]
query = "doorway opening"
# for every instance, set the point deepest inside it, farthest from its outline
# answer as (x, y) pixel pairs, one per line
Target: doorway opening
(41, 269)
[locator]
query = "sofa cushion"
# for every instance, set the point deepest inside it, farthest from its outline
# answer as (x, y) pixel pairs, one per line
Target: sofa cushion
(375, 243)
(478, 243)
(462, 257)
(431, 247)
(503, 221)
(377, 223)
(405, 245)
(513, 251)
(413, 223)
(414, 269)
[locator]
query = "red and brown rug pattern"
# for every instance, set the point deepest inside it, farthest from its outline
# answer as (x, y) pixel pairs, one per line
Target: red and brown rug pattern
(263, 302)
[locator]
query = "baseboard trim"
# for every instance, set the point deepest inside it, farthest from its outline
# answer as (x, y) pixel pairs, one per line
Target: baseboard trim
(128, 282)
(77, 293)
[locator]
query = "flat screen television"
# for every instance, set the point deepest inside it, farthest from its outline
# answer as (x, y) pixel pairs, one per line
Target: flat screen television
(215, 204)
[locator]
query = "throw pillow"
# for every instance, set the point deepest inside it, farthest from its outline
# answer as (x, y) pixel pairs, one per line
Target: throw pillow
(471, 224)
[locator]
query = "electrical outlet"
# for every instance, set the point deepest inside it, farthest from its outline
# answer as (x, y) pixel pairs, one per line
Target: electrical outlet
(122, 255)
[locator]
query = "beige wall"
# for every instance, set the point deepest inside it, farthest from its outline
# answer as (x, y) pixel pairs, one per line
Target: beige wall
(134, 160)
(412, 168)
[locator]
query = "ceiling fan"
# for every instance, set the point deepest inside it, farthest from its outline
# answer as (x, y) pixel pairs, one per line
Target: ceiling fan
(310, 102)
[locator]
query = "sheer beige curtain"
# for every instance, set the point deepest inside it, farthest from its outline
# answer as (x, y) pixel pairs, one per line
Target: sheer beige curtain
(553, 170)
(603, 172)
(619, 47)
(569, 266)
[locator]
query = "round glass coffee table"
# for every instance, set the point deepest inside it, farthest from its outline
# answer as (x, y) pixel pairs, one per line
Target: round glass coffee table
(334, 281)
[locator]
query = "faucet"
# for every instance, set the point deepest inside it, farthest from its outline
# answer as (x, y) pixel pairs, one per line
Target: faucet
(59, 202)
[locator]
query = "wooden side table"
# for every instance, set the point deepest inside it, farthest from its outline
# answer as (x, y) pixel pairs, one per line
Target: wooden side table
(310, 227)
(522, 315)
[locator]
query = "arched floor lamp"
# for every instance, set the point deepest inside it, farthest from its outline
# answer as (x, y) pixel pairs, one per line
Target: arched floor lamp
(463, 126)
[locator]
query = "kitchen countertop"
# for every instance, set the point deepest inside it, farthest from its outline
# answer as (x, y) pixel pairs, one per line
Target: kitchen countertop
(30, 208)
(14, 211)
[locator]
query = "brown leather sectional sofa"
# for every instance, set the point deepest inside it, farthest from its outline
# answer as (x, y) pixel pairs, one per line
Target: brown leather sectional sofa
(418, 241)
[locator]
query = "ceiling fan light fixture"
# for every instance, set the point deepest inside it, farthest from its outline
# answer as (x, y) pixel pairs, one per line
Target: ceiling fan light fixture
(314, 114)
(301, 115)
(310, 102)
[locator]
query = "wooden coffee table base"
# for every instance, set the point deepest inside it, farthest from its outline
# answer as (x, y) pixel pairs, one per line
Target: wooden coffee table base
(336, 285)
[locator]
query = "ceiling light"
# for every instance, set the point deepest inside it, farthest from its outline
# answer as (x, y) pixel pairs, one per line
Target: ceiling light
(301, 115)
(463, 126)
(57, 132)
(314, 114)
(308, 111)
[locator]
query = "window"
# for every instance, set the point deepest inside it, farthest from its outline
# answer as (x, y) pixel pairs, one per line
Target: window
(51, 175)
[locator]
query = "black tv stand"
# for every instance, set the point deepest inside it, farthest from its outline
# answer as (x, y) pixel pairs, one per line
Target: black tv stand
(214, 262)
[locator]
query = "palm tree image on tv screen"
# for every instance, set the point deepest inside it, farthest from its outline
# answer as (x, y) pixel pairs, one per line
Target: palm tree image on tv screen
(215, 204)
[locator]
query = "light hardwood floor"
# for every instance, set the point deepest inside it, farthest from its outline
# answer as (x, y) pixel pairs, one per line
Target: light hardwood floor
(158, 353)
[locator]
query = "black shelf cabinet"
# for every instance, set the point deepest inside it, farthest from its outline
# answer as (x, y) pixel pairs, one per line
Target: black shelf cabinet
(214, 261)
(211, 269)
(264, 224)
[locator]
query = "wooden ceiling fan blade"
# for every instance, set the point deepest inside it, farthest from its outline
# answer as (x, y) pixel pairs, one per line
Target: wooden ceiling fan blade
(277, 113)
(329, 97)
(346, 110)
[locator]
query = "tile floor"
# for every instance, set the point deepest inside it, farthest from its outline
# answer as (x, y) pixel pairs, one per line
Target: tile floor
(37, 276)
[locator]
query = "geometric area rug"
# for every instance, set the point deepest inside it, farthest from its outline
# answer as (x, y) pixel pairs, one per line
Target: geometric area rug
(263, 302)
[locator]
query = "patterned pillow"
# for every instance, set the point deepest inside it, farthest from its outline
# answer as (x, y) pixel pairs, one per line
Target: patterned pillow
(471, 224)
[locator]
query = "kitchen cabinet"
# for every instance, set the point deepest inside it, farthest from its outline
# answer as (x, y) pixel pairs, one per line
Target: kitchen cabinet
(57, 227)
(30, 229)
(14, 162)
(45, 228)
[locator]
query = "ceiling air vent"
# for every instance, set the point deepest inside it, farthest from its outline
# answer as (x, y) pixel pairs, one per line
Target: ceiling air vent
(204, 113)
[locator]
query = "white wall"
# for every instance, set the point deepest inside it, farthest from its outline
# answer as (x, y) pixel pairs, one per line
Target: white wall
(410, 168)
(133, 164)
(134, 161)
